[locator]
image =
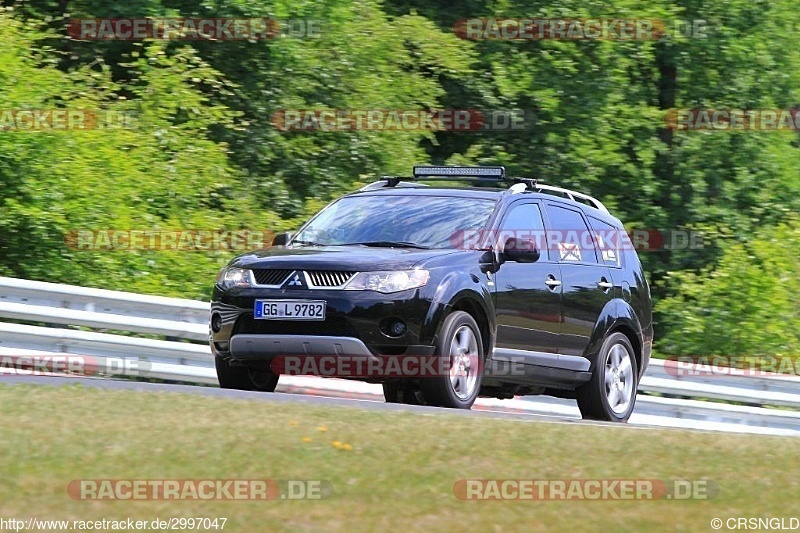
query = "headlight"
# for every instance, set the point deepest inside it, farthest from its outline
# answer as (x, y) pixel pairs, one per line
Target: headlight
(233, 277)
(388, 281)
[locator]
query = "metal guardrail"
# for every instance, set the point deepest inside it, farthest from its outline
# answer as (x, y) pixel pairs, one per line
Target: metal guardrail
(82, 311)
(38, 293)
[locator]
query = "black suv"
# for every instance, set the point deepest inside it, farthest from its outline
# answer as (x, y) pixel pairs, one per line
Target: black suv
(513, 290)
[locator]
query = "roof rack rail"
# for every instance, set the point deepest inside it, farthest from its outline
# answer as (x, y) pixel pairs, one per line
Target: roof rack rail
(572, 195)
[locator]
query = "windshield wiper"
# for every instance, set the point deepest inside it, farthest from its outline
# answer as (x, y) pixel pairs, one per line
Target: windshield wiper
(307, 243)
(389, 244)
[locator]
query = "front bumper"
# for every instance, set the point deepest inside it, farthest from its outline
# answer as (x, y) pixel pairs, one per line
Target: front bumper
(352, 324)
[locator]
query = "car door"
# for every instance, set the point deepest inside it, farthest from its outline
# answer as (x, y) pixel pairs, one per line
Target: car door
(527, 295)
(587, 284)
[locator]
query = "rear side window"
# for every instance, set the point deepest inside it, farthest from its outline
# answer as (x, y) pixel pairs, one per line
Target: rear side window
(609, 242)
(569, 237)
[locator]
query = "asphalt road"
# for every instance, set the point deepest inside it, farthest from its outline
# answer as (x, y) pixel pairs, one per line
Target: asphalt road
(283, 398)
(535, 409)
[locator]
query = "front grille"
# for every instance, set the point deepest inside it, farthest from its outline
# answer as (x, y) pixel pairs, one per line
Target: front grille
(269, 276)
(329, 278)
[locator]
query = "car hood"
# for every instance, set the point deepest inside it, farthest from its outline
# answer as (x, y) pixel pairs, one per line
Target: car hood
(355, 258)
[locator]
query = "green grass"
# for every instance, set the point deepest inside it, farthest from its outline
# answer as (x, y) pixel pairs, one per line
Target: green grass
(399, 474)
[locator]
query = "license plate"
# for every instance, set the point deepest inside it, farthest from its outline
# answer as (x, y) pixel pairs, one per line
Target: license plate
(289, 309)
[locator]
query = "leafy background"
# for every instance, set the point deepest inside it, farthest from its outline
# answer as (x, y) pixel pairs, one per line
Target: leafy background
(201, 153)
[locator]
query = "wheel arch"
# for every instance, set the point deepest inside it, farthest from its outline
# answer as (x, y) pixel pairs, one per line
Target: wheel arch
(617, 316)
(472, 306)
(461, 291)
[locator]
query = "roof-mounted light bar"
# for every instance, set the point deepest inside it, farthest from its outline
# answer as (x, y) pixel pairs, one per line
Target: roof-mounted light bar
(493, 173)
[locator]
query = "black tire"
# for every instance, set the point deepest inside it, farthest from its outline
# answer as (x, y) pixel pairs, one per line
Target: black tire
(244, 378)
(459, 391)
(405, 392)
(597, 398)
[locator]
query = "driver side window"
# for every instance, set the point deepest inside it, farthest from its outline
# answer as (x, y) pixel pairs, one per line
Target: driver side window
(524, 222)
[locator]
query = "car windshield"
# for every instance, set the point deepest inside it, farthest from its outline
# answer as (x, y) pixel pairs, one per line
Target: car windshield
(395, 221)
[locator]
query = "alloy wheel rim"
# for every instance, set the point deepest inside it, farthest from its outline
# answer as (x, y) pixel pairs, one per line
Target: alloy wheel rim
(619, 379)
(464, 365)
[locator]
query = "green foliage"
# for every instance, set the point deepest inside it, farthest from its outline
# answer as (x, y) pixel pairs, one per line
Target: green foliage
(160, 171)
(748, 305)
(200, 151)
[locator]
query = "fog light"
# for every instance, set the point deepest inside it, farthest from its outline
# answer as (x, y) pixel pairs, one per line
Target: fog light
(396, 328)
(216, 322)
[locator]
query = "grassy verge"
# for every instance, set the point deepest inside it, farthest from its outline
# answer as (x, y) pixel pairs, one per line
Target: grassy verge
(397, 474)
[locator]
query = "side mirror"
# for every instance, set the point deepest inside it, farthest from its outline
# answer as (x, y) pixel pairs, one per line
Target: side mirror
(521, 251)
(282, 238)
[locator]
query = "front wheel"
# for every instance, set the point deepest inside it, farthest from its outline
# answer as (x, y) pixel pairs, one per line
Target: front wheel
(461, 345)
(244, 378)
(610, 394)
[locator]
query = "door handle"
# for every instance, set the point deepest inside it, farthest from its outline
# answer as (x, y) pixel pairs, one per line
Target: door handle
(552, 282)
(605, 284)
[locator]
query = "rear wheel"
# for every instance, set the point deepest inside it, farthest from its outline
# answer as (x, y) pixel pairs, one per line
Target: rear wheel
(243, 377)
(611, 392)
(461, 344)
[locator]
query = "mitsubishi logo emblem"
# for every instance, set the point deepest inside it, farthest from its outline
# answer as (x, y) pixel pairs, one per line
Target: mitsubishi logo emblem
(295, 282)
